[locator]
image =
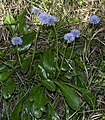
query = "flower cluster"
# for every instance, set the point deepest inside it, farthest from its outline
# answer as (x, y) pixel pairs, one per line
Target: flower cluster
(17, 41)
(69, 37)
(44, 18)
(35, 10)
(94, 19)
(75, 33)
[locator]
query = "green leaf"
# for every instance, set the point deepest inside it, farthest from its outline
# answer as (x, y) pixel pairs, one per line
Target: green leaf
(27, 41)
(4, 76)
(28, 38)
(48, 61)
(70, 95)
(89, 97)
(81, 79)
(8, 89)
(17, 111)
(16, 114)
(37, 113)
(79, 63)
(2, 52)
(26, 116)
(51, 114)
(21, 22)
(3, 68)
(9, 19)
(45, 81)
(39, 100)
(25, 64)
(65, 67)
(74, 20)
(42, 72)
(49, 84)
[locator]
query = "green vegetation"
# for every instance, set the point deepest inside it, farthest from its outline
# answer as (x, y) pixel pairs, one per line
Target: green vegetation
(45, 73)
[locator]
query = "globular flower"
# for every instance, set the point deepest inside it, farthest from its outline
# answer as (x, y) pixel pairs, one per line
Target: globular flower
(51, 20)
(45, 19)
(94, 19)
(76, 33)
(35, 10)
(69, 37)
(17, 41)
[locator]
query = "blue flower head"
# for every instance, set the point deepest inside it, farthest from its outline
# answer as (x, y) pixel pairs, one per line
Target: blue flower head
(17, 41)
(35, 10)
(51, 20)
(45, 19)
(69, 37)
(76, 33)
(94, 19)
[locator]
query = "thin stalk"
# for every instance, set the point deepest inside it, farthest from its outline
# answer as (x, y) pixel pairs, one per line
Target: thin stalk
(34, 49)
(91, 37)
(56, 41)
(72, 51)
(6, 109)
(18, 55)
(62, 61)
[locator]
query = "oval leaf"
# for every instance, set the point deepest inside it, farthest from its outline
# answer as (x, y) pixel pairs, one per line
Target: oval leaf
(4, 76)
(49, 84)
(25, 64)
(74, 20)
(8, 89)
(16, 114)
(70, 95)
(40, 100)
(48, 60)
(89, 97)
(21, 22)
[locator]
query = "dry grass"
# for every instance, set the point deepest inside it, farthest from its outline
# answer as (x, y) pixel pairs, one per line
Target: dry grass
(57, 7)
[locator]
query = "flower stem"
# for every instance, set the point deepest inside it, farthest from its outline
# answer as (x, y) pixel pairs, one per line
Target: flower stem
(89, 43)
(62, 61)
(18, 55)
(72, 51)
(56, 39)
(34, 49)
